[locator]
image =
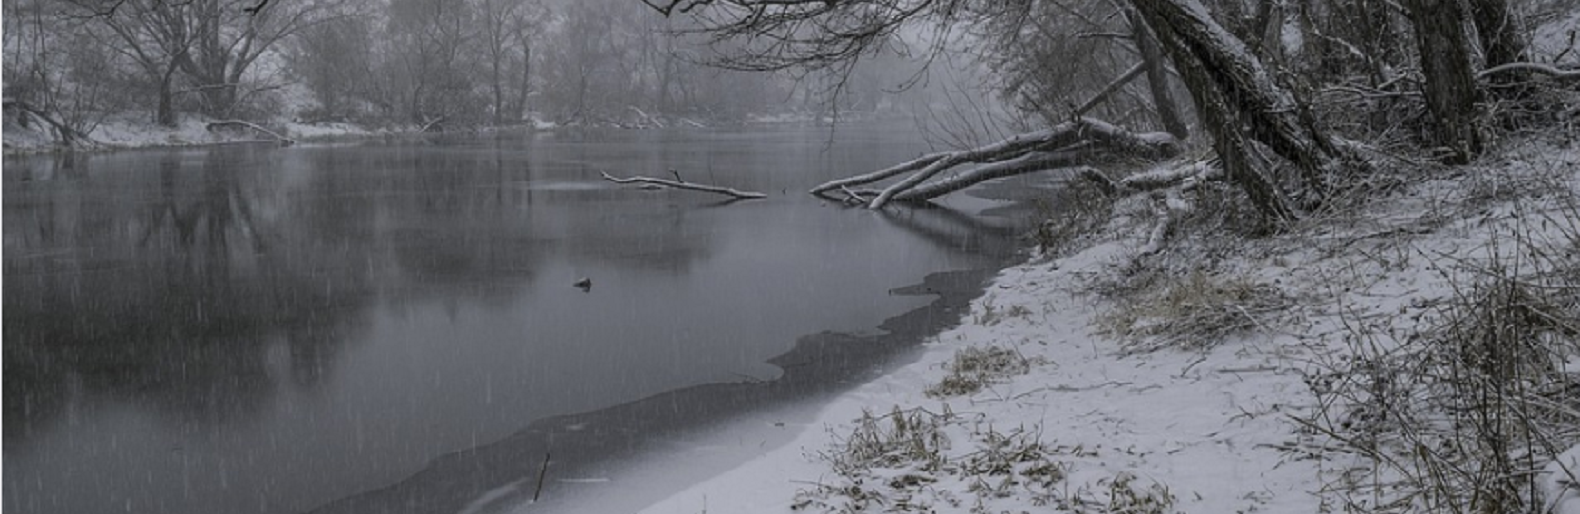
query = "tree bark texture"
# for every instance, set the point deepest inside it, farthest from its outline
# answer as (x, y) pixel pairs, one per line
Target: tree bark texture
(1239, 102)
(1157, 77)
(1449, 81)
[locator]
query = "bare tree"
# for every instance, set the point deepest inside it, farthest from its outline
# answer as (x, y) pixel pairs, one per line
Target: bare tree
(155, 35)
(508, 27)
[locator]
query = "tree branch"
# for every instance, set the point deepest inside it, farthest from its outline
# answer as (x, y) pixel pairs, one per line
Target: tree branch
(744, 195)
(1545, 69)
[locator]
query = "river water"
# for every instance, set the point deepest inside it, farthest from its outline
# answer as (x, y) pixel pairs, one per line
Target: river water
(362, 327)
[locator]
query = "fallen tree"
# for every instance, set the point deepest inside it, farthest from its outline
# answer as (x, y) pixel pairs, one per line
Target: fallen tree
(691, 186)
(1078, 142)
(250, 125)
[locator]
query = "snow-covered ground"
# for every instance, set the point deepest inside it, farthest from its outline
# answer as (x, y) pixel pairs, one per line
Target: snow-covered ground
(1068, 420)
(136, 132)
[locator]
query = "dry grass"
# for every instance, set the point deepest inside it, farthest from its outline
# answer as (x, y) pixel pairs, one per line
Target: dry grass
(1195, 313)
(892, 462)
(974, 368)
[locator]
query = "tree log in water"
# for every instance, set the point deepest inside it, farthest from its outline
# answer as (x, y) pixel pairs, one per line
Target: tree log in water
(254, 126)
(680, 184)
(1073, 143)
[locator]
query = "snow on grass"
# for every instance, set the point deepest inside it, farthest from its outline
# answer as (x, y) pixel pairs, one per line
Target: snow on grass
(1028, 406)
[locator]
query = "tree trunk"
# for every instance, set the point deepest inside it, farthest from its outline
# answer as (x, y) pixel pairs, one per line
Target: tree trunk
(1228, 134)
(165, 115)
(1238, 100)
(1157, 77)
(526, 76)
(499, 91)
(1449, 82)
(1270, 113)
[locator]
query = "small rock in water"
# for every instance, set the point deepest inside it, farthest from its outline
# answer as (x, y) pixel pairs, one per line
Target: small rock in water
(585, 284)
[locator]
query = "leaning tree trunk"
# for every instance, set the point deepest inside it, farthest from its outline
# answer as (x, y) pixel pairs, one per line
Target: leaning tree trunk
(1157, 77)
(1218, 114)
(1449, 82)
(1239, 101)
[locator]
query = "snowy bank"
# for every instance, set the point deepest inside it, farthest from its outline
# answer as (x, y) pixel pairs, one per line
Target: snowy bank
(1079, 383)
(126, 132)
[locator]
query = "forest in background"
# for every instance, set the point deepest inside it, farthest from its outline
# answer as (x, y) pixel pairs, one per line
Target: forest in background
(424, 64)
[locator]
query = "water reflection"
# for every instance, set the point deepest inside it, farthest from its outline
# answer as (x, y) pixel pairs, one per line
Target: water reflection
(164, 296)
(255, 329)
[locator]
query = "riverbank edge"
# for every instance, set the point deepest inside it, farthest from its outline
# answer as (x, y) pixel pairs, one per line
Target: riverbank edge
(192, 133)
(1093, 398)
(500, 476)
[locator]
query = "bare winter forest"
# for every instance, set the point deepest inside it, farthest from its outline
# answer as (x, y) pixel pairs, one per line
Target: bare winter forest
(430, 64)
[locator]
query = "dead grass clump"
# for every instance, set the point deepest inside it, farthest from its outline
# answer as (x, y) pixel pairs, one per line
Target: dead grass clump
(1193, 314)
(902, 462)
(976, 367)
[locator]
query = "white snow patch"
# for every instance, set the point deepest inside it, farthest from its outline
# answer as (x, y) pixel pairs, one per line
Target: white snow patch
(1556, 37)
(1560, 484)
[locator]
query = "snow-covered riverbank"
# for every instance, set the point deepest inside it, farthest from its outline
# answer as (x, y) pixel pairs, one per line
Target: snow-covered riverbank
(123, 134)
(1069, 414)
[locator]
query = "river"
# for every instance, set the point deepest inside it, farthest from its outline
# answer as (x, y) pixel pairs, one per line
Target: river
(355, 327)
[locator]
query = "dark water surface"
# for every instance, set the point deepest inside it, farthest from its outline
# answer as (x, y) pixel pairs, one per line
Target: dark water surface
(257, 330)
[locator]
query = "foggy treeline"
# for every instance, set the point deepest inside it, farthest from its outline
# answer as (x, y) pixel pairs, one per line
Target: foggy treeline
(423, 63)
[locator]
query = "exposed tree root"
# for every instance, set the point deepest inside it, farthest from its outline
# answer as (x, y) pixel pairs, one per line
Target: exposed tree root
(680, 184)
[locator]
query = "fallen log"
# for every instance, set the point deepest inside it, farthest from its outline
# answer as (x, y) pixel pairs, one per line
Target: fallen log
(1078, 142)
(679, 184)
(1035, 161)
(254, 126)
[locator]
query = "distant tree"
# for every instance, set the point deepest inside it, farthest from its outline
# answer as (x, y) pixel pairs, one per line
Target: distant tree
(55, 71)
(212, 43)
(508, 29)
(157, 36)
(433, 56)
(334, 60)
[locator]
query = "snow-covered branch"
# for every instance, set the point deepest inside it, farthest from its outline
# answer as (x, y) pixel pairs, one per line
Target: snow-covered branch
(1544, 69)
(678, 184)
(1073, 143)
